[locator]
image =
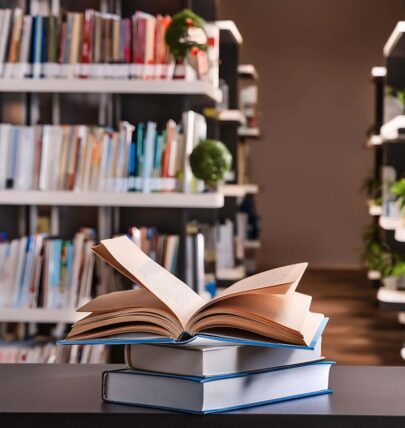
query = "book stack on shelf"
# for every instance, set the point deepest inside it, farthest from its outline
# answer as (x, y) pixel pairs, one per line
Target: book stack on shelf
(92, 44)
(257, 343)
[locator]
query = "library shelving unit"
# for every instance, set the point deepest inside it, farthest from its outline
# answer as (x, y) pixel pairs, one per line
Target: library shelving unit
(227, 123)
(107, 102)
(389, 163)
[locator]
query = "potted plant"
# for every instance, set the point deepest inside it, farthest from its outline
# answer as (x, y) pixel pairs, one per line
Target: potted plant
(186, 37)
(210, 161)
(373, 189)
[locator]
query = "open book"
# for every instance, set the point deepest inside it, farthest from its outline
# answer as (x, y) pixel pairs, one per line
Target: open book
(262, 309)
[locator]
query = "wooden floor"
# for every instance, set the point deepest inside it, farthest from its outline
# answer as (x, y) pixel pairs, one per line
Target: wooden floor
(358, 332)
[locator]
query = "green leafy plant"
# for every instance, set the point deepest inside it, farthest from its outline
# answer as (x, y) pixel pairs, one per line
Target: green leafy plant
(186, 34)
(398, 189)
(373, 189)
(210, 161)
(378, 256)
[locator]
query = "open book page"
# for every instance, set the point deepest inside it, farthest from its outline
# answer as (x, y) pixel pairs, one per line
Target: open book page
(131, 261)
(118, 300)
(288, 311)
(281, 280)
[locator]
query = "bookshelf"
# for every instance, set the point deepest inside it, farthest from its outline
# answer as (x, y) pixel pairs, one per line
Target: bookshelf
(123, 199)
(395, 45)
(248, 71)
(231, 116)
(107, 102)
(374, 210)
(248, 132)
(112, 86)
(252, 244)
(238, 190)
(40, 315)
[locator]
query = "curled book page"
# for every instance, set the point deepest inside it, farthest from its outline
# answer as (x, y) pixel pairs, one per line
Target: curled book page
(131, 261)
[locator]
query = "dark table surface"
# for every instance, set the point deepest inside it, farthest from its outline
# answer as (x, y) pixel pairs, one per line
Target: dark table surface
(69, 396)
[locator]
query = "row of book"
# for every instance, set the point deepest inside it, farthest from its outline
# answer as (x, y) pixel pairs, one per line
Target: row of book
(48, 272)
(34, 352)
(96, 45)
(92, 158)
(42, 271)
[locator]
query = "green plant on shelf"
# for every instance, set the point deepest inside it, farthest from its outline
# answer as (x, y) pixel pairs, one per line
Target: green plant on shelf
(378, 256)
(210, 161)
(398, 189)
(186, 35)
(373, 189)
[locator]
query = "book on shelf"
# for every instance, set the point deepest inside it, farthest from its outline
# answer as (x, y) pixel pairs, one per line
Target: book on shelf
(93, 44)
(217, 393)
(42, 271)
(204, 357)
(84, 158)
(159, 247)
(35, 352)
(263, 309)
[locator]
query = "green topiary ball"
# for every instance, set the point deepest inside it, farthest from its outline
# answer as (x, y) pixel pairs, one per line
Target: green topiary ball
(210, 160)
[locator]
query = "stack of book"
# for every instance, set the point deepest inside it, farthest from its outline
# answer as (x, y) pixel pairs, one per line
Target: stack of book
(92, 45)
(256, 343)
(93, 158)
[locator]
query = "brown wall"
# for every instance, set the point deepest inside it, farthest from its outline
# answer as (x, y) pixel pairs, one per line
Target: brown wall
(314, 59)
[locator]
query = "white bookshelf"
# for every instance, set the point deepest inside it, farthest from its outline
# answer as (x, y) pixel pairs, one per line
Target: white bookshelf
(373, 275)
(252, 244)
(112, 86)
(238, 190)
(378, 71)
(231, 274)
(231, 116)
(127, 199)
(393, 45)
(40, 315)
(388, 223)
(246, 132)
(400, 234)
(374, 210)
(374, 140)
(390, 296)
(248, 70)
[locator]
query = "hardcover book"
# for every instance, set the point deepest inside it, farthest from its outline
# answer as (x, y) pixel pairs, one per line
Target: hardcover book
(217, 393)
(205, 357)
(263, 309)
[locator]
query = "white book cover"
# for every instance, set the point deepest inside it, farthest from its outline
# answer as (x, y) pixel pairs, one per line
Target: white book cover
(25, 159)
(8, 274)
(195, 130)
(148, 156)
(26, 40)
(5, 135)
(4, 34)
(46, 158)
(205, 357)
(200, 271)
(19, 271)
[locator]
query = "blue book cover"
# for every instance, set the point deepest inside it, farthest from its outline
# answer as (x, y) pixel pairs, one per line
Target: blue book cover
(139, 149)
